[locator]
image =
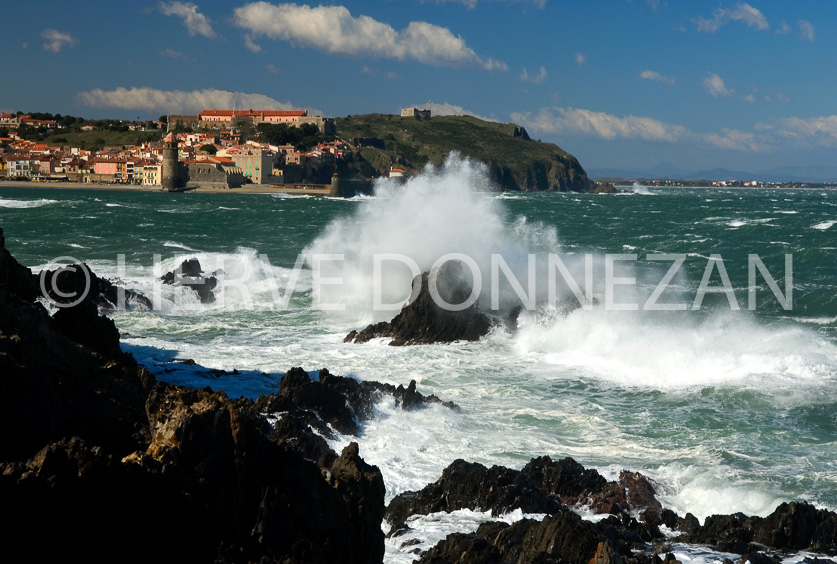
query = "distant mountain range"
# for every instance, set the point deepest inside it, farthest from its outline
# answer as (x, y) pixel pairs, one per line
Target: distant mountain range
(669, 171)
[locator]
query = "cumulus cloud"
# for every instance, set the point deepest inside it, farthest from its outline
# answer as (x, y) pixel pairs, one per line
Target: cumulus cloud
(57, 40)
(333, 29)
(734, 140)
(177, 101)
(580, 59)
(575, 121)
(806, 30)
(252, 46)
(656, 77)
(536, 79)
(741, 12)
(714, 84)
(822, 129)
(195, 22)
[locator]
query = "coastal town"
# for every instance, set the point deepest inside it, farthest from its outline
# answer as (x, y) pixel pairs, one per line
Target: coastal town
(215, 148)
(282, 150)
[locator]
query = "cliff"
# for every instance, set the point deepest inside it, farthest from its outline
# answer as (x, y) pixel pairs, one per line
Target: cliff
(515, 161)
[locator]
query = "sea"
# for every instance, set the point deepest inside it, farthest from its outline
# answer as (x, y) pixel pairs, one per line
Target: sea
(686, 333)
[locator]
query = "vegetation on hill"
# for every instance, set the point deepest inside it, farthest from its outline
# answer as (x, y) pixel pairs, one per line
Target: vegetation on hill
(515, 161)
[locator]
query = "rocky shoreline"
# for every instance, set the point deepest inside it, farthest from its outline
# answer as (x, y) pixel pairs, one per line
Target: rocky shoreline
(100, 460)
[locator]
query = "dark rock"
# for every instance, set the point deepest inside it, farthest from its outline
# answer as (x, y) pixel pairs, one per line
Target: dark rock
(423, 321)
(78, 284)
(190, 274)
(542, 486)
(605, 188)
(98, 459)
(792, 526)
(798, 526)
(565, 478)
(470, 485)
(15, 277)
(561, 537)
(338, 401)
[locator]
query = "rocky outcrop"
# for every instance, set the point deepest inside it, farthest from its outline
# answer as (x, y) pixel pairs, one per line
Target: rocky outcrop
(100, 460)
(191, 274)
(338, 403)
(604, 188)
(542, 486)
(424, 321)
(78, 283)
(792, 526)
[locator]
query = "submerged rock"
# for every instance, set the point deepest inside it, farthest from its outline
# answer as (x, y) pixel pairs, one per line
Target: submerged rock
(190, 274)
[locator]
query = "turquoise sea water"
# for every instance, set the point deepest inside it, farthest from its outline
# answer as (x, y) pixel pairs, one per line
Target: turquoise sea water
(728, 410)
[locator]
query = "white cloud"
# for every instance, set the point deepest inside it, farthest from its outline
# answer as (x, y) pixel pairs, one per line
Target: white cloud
(750, 98)
(821, 129)
(741, 12)
(734, 139)
(575, 121)
(784, 29)
(656, 77)
(333, 29)
(248, 42)
(806, 30)
(272, 69)
(714, 84)
(195, 22)
(56, 40)
(178, 101)
(536, 79)
(655, 4)
(172, 53)
(580, 59)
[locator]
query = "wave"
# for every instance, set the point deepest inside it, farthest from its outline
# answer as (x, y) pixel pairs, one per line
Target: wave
(642, 350)
(24, 204)
(824, 225)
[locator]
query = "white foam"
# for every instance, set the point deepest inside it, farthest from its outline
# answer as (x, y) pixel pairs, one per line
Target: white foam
(824, 225)
(451, 210)
(679, 352)
(25, 204)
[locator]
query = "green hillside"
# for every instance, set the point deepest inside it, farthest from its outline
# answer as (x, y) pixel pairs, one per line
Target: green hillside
(516, 162)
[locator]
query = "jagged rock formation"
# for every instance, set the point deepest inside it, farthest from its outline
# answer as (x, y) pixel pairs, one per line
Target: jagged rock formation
(546, 486)
(424, 321)
(542, 486)
(99, 459)
(190, 274)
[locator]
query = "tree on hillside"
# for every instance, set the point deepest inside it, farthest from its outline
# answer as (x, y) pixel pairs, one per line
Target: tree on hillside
(303, 137)
(208, 148)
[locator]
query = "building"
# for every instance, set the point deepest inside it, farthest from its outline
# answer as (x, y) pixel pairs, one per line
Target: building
(415, 112)
(21, 166)
(227, 119)
(256, 164)
(151, 175)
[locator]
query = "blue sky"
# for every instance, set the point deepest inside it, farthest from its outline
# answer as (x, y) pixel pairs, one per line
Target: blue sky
(627, 84)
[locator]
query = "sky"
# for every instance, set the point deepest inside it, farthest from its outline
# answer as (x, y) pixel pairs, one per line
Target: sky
(622, 84)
